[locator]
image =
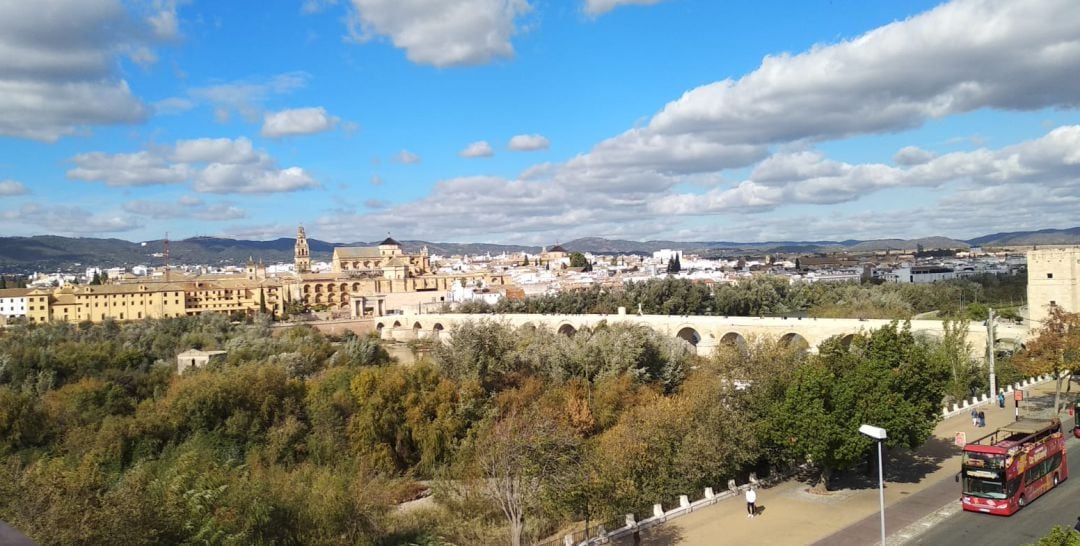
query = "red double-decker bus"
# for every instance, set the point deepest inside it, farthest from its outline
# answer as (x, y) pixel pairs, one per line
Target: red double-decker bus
(1012, 466)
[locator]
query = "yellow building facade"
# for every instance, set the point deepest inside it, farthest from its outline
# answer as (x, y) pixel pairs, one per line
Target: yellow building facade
(362, 282)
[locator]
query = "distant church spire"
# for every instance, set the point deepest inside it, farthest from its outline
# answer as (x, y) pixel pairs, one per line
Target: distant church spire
(302, 255)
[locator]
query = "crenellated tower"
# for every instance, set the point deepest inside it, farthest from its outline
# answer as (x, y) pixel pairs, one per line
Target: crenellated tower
(302, 255)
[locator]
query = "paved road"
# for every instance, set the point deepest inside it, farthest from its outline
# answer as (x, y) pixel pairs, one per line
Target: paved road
(1059, 506)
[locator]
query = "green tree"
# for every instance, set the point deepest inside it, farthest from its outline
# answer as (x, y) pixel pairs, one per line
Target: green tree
(1059, 536)
(886, 378)
(674, 265)
(479, 351)
(578, 259)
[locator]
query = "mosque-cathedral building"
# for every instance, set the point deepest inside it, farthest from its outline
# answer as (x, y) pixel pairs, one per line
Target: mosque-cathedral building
(362, 282)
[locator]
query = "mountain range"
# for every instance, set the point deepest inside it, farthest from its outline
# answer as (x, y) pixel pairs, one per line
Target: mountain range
(52, 252)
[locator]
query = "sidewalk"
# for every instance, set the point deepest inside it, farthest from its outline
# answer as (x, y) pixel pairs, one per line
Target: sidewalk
(917, 484)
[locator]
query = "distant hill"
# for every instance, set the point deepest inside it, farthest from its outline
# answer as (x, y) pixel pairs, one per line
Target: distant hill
(1069, 236)
(50, 252)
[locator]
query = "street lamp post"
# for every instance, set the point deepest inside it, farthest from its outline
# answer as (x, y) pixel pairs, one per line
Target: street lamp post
(878, 434)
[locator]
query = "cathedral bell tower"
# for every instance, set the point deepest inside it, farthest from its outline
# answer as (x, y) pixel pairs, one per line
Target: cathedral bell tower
(302, 254)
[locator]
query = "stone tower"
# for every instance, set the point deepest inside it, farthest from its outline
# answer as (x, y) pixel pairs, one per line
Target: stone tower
(1053, 279)
(302, 254)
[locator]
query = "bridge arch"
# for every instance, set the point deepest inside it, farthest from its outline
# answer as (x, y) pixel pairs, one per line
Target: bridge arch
(397, 324)
(567, 329)
(846, 340)
(736, 340)
(794, 339)
(690, 335)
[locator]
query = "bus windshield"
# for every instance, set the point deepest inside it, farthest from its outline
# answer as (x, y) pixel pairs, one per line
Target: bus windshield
(987, 461)
(987, 489)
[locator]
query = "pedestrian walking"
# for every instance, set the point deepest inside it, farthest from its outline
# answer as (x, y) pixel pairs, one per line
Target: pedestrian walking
(1077, 526)
(982, 420)
(974, 417)
(751, 502)
(1001, 400)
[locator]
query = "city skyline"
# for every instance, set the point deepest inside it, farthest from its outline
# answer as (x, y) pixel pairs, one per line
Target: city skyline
(526, 122)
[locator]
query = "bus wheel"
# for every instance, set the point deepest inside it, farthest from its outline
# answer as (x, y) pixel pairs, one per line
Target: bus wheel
(1055, 480)
(1022, 501)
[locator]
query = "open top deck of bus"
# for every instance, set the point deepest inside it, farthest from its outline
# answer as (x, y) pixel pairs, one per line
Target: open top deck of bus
(1014, 435)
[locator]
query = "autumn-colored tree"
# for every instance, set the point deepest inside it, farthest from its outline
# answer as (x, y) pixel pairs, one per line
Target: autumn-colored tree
(1055, 349)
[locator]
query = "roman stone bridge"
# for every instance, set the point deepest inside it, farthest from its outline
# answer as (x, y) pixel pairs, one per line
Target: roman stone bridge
(704, 333)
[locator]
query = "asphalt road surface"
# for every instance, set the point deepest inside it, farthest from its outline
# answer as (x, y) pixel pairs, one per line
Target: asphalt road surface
(1059, 506)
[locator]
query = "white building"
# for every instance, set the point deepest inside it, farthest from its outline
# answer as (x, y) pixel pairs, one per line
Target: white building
(921, 274)
(666, 255)
(13, 302)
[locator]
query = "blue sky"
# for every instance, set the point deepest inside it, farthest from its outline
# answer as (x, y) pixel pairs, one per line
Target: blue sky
(533, 121)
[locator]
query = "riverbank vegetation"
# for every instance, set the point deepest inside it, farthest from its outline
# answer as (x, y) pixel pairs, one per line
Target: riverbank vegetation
(301, 438)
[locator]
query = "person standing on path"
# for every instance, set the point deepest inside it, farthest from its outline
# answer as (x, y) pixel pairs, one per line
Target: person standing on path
(1001, 400)
(975, 417)
(751, 502)
(982, 419)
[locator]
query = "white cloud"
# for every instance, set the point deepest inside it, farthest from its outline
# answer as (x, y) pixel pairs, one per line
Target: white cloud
(600, 7)
(1048, 163)
(9, 188)
(252, 178)
(298, 121)
(540, 170)
(173, 105)
(376, 180)
(479, 148)
(70, 220)
(912, 155)
(143, 168)
(214, 150)
(185, 207)
(163, 21)
(440, 33)
(212, 165)
(309, 7)
(246, 97)
(405, 157)
(59, 64)
(528, 143)
(220, 212)
(260, 232)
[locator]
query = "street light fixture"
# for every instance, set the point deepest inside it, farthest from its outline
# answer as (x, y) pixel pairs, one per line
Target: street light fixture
(878, 434)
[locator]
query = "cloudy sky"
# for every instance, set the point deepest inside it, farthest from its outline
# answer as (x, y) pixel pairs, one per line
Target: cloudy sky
(533, 121)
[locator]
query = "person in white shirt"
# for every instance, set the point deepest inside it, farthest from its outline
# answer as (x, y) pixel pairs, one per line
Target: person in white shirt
(751, 500)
